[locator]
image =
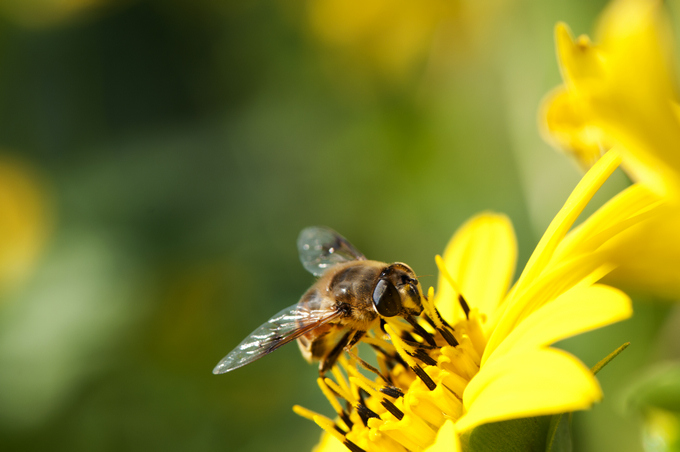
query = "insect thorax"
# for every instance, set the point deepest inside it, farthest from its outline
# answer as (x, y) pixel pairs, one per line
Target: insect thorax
(352, 288)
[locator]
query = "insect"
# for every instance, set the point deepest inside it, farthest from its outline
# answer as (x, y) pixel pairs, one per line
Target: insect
(350, 296)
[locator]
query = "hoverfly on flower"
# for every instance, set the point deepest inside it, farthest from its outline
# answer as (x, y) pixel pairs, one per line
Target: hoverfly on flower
(350, 297)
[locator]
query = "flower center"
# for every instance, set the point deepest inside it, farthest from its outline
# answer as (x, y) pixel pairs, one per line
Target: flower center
(418, 383)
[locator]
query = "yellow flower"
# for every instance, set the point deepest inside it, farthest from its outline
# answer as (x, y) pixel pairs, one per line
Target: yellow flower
(390, 38)
(482, 350)
(620, 93)
(24, 222)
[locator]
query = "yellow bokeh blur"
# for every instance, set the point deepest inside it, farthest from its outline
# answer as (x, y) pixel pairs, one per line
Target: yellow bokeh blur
(25, 219)
(42, 13)
(390, 39)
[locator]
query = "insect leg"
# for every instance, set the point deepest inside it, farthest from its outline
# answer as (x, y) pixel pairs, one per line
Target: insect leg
(355, 339)
(329, 360)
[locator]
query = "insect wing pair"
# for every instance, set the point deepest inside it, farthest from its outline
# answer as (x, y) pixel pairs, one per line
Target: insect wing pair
(320, 249)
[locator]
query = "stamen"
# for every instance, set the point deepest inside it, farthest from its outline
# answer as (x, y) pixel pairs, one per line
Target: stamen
(464, 305)
(421, 345)
(316, 417)
(365, 413)
(432, 313)
(352, 447)
(431, 385)
(424, 357)
(406, 336)
(452, 392)
(391, 391)
(364, 383)
(404, 353)
(308, 414)
(429, 320)
(442, 319)
(391, 407)
(445, 273)
(448, 337)
(421, 331)
(334, 403)
(328, 428)
(333, 386)
(400, 346)
(340, 378)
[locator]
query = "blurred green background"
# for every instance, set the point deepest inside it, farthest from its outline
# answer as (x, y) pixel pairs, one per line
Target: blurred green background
(159, 157)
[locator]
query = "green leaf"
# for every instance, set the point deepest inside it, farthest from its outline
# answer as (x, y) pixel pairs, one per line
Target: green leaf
(540, 433)
(516, 435)
(559, 433)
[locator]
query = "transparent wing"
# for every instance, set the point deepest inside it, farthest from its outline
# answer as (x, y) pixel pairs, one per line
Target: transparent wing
(284, 327)
(321, 248)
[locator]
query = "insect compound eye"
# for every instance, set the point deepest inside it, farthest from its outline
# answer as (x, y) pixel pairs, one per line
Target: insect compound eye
(386, 299)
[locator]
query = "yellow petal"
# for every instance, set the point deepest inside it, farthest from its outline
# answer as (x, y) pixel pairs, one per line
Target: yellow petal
(532, 383)
(543, 291)
(447, 439)
(574, 312)
(636, 35)
(634, 205)
(564, 123)
(580, 61)
(329, 443)
(639, 232)
(481, 259)
(565, 218)
(648, 256)
(533, 289)
(633, 102)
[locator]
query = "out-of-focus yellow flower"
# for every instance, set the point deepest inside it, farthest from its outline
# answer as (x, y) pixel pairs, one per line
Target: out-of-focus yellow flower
(40, 13)
(390, 38)
(661, 431)
(482, 350)
(24, 222)
(566, 127)
(620, 92)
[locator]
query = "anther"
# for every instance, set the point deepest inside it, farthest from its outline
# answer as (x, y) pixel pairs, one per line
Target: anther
(416, 344)
(464, 305)
(345, 418)
(389, 406)
(352, 447)
(392, 391)
(390, 359)
(429, 320)
(431, 385)
(441, 319)
(421, 331)
(424, 357)
(366, 413)
(448, 337)
(382, 325)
